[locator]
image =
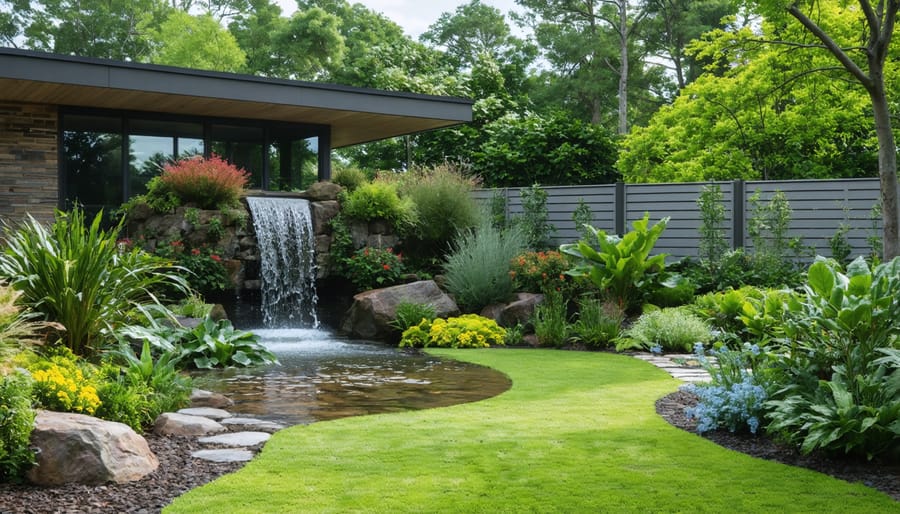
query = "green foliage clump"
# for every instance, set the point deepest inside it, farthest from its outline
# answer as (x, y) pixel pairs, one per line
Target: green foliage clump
(78, 275)
(207, 183)
(842, 361)
(583, 218)
(16, 425)
(17, 329)
(213, 344)
(598, 324)
(534, 219)
(371, 268)
(466, 331)
(674, 292)
(380, 200)
(713, 243)
(202, 267)
(192, 306)
(622, 267)
(410, 314)
(349, 178)
(444, 206)
(773, 250)
(748, 314)
(672, 329)
(537, 272)
(477, 267)
(550, 320)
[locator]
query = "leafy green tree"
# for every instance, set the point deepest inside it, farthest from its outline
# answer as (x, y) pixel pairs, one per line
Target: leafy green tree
(254, 30)
(197, 42)
(863, 53)
(15, 15)
(311, 43)
(779, 114)
(111, 29)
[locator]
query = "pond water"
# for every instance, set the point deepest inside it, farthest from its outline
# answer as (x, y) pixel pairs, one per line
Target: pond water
(323, 377)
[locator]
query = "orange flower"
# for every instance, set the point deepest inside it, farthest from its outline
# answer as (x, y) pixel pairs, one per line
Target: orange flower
(386, 267)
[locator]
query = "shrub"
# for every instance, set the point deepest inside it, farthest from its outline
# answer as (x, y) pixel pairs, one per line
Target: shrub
(713, 242)
(371, 268)
(16, 425)
(214, 344)
(379, 200)
(17, 329)
(192, 306)
(673, 329)
(466, 331)
(537, 272)
(598, 324)
(209, 183)
(534, 220)
(79, 276)
(410, 314)
(205, 271)
(477, 267)
(622, 267)
(550, 320)
(583, 218)
(64, 383)
(444, 206)
(349, 178)
(675, 292)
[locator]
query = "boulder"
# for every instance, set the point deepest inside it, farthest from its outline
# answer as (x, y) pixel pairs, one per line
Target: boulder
(322, 191)
(322, 213)
(171, 423)
(372, 311)
(202, 398)
(520, 310)
(84, 449)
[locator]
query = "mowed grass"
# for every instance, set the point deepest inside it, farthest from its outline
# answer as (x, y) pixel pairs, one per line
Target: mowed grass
(577, 432)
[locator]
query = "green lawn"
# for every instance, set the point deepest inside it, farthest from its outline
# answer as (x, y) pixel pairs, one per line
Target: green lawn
(576, 433)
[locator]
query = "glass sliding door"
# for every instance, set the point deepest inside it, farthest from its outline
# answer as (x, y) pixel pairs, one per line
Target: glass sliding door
(241, 146)
(92, 163)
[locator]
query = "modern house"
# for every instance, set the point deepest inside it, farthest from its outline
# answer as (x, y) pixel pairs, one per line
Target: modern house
(93, 131)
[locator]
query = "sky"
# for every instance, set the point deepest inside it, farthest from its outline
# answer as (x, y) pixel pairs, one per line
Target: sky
(414, 15)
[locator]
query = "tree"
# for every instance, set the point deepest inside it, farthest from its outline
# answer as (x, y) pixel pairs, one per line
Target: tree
(672, 24)
(863, 56)
(197, 42)
(772, 113)
(111, 29)
(15, 15)
(254, 32)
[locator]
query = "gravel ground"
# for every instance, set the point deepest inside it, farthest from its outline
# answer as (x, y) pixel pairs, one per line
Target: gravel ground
(178, 472)
(885, 478)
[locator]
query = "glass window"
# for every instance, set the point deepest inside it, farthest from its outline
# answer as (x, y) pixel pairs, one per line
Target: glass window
(241, 146)
(293, 163)
(92, 150)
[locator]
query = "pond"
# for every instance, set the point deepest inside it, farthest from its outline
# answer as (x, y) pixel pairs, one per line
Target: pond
(323, 376)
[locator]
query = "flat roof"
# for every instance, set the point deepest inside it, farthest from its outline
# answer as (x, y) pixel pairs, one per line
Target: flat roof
(356, 115)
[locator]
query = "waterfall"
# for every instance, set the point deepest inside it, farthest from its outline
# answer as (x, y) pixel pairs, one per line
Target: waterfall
(284, 234)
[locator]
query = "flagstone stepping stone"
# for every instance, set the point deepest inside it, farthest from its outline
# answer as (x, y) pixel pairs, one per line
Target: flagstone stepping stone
(237, 438)
(206, 412)
(226, 455)
(202, 398)
(252, 424)
(172, 423)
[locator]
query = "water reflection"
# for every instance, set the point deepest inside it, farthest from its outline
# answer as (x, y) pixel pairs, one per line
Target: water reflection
(324, 377)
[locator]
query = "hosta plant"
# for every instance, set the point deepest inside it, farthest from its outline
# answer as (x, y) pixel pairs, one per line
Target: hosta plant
(217, 344)
(622, 268)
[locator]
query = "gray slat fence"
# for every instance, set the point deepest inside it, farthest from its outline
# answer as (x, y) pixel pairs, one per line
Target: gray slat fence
(818, 207)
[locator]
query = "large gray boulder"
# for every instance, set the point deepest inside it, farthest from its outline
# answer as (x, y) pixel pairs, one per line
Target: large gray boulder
(87, 450)
(372, 311)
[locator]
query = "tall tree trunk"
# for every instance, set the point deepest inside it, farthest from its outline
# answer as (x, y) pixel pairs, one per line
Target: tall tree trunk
(623, 67)
(887, 169)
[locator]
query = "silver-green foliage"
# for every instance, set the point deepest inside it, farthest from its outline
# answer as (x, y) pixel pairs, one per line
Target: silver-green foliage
(673, 329)
(477, 267)
(76, 274)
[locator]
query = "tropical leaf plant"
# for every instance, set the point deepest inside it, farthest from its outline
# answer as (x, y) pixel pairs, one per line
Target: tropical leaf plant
(213, 344)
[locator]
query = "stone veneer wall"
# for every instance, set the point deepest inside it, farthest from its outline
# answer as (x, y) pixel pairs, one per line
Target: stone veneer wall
(29, 176)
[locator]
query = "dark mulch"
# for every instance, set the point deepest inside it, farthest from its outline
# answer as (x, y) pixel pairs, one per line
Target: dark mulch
(178, 472)
(885, 478)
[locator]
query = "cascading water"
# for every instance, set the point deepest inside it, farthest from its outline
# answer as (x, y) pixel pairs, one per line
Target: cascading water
(286, 243)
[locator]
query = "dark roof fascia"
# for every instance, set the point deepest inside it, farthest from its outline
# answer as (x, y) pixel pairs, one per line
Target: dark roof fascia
(102, 73)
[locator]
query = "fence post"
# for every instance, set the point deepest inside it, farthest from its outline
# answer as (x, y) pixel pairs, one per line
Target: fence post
(620, 210)
(738, 214)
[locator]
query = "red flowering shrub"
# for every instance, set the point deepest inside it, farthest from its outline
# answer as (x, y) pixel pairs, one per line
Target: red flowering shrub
(206, 271)
(536, 272)
(371, 268)
(208, 183)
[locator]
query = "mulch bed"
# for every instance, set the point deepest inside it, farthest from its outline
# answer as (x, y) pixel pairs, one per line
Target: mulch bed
(178, 472)
(885, 478)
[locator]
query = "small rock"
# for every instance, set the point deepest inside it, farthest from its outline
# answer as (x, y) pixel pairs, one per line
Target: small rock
(201, 398)
(171, 423)
(253, 423)
(237, 439)
(206, 412)
(223, 455)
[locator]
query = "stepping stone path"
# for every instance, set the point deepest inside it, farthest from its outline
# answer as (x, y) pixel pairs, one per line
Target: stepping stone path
(683, 366)
(238, 438)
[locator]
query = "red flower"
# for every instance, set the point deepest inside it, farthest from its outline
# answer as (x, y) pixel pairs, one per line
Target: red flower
(215, 258)
(176, 243)
(386, 267)
(195, 251)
